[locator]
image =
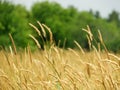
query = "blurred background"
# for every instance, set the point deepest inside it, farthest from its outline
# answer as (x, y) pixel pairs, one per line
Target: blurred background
(66, 18)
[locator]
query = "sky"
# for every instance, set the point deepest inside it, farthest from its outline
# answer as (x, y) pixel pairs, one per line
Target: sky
(105, 7)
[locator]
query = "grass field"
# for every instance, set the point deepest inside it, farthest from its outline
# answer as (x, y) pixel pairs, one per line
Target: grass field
(59, 69)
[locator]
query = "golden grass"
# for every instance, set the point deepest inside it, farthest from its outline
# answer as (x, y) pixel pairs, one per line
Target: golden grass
(59, 69)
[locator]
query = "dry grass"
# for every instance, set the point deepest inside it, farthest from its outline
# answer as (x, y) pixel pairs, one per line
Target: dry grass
(59, 69)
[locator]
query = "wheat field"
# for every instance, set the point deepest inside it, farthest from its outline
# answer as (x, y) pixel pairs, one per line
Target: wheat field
(55, 68)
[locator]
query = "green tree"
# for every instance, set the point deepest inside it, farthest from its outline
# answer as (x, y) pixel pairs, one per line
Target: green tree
(97, 14)
(60, 20)
(114, 17)
(65, 23)
(5, 8)
(68, 23)
(14, 20)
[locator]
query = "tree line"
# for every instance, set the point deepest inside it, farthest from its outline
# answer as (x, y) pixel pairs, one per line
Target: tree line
(65, 23)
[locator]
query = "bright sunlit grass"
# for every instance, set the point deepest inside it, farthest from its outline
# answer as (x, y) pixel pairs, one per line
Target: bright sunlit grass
(60, 69)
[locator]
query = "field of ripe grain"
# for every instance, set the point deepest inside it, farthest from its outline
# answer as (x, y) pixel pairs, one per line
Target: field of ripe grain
(58, 69)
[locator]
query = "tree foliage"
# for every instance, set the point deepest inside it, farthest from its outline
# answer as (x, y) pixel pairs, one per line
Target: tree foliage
(14, 20)
(65, 23)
